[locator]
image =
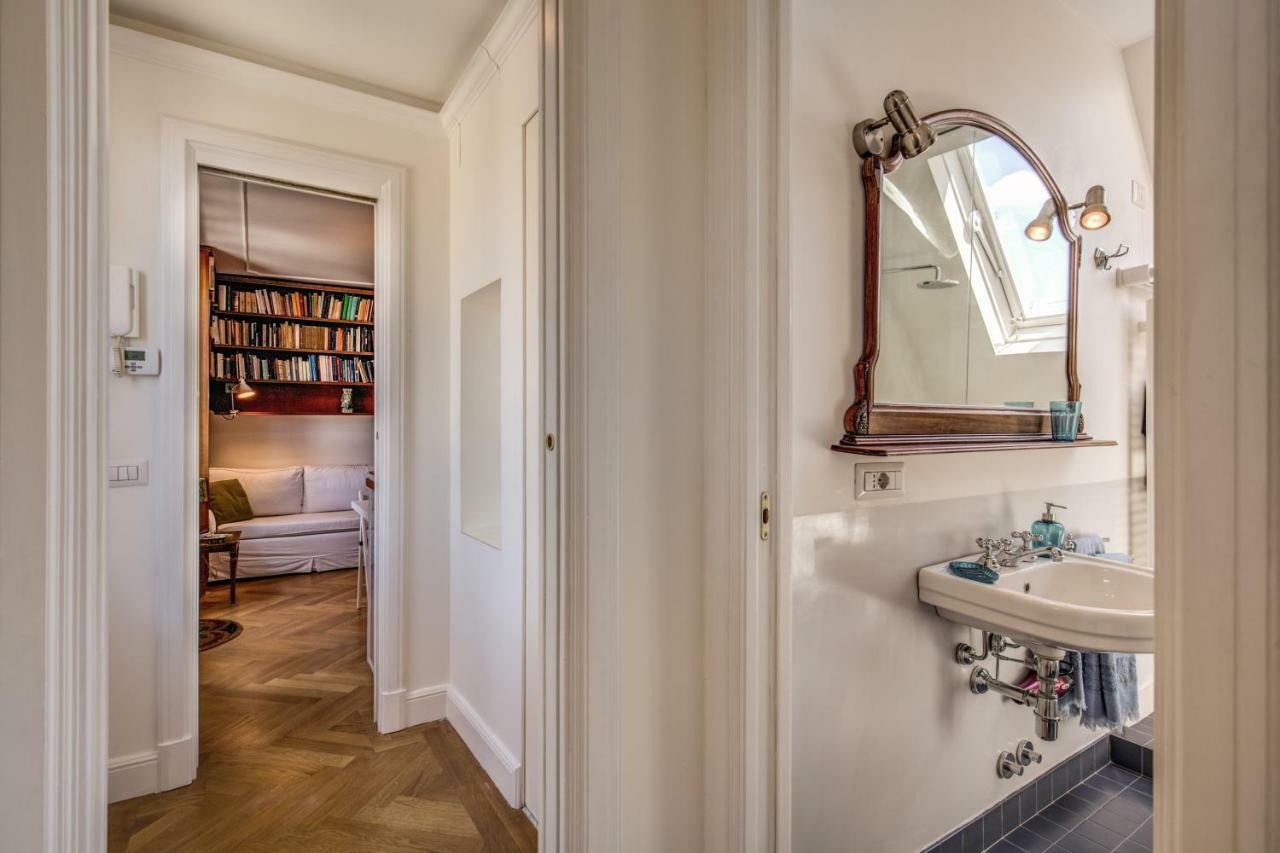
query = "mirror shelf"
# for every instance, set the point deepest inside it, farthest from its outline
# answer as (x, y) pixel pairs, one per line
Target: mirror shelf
(969, 319)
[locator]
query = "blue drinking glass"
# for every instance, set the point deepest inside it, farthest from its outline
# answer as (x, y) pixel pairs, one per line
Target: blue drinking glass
(1064, 419)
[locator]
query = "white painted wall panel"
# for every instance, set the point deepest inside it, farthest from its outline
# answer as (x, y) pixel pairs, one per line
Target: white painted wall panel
(889, 748)
(140, 93)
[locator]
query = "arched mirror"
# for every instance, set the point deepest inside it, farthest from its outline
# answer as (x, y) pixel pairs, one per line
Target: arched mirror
(970, 295)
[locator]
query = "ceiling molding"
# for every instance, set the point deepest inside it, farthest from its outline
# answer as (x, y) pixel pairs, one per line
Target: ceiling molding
(186, 56)
(488, 59)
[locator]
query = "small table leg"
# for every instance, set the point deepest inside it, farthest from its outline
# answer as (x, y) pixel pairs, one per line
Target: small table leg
(204, 573)
(235, 558)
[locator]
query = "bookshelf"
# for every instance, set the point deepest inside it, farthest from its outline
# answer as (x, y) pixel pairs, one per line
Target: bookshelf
(299, 344)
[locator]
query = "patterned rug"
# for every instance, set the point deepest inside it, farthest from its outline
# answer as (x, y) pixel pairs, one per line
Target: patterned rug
(215, 632)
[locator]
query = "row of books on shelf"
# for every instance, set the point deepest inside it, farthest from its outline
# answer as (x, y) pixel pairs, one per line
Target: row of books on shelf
(255, 333)
(295, 368)
(312, 304)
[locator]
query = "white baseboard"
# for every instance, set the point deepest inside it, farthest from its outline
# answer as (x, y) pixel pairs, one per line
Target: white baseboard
(503, 767)
(391, 710)
(132, 776)
(176, 763)
(425, 705)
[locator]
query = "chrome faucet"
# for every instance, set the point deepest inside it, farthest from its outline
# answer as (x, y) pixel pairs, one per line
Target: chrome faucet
(1000, 554)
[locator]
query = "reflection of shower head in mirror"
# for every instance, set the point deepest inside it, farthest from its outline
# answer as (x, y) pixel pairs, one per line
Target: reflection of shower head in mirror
(935, 283)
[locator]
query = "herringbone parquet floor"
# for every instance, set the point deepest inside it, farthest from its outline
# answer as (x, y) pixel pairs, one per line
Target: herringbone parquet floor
(290, 760)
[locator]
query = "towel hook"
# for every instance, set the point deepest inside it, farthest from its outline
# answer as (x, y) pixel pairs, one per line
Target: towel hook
(1102, 260)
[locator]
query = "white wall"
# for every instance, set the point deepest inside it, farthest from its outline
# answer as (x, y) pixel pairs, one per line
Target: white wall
(140, 94)
(23, 293)
(270, 441)
(883, 723)
(1140, 64)
(486, 186)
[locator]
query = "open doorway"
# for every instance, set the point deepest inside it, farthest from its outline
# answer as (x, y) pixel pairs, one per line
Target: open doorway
(306, 304)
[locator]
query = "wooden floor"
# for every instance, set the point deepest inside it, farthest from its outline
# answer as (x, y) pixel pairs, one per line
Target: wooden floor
(289, 756)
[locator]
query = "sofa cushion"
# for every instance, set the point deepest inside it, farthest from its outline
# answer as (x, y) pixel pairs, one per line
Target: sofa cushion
(271, 491)
(297, 524)
(229, 502)
(327, 488)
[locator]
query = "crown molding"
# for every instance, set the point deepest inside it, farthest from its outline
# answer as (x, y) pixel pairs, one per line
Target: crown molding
(488, 59)
(166, 52)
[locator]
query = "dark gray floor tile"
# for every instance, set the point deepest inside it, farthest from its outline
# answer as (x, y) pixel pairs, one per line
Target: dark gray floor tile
(1118, 774)
(1143, 835)
(1072, 803)
(1105, 783)
(1074, 843)
(1143, 786)
(1118, 820)
(1132, 802)
(1132, 846)
(1010, 813)
(1044, 828)
(1100, 834)
(971, 838)
(993, 827)
(1027, 841)
(1003, 847)
(1090, 795)
(1073, 772)
(1148, 762)
(950, 845)
(1062, 816)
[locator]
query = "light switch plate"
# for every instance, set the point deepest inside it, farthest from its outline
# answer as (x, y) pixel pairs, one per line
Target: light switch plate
(128, 472)
(880, 480)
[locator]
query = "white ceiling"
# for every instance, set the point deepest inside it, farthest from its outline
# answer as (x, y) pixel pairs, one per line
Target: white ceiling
(1121, 22)
(410, 50)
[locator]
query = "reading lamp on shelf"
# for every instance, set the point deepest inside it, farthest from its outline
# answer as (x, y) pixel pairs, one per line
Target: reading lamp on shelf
(238, 391)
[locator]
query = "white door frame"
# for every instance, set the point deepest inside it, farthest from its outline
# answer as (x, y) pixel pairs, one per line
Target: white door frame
(186, 146)
(747, 401)
(74, 776)
(1217, 396)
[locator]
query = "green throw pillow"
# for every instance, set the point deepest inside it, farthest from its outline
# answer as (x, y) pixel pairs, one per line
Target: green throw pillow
(229, 502)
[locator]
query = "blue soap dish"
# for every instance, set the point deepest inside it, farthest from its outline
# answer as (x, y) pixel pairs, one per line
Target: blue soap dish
(973, 571)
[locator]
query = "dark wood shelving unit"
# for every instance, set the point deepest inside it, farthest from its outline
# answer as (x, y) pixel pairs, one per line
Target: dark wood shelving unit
(286, 396)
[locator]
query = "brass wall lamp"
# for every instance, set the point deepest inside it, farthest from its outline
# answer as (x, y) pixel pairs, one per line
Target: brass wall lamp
(912, 136)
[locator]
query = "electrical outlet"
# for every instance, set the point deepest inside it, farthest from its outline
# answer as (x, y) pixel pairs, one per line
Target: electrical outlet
(880, 479)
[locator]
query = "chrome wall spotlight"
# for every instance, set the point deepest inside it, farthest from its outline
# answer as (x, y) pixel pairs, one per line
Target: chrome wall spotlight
(913, 136)
(1093, 215)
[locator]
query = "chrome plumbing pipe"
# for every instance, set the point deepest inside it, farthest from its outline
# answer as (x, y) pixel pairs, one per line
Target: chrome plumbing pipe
(1042, 699)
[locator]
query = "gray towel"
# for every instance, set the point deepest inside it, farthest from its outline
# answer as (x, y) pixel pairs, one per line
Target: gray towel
(1104, 687)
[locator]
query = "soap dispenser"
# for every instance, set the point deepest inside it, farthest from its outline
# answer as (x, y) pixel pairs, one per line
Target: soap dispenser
(1047, 531)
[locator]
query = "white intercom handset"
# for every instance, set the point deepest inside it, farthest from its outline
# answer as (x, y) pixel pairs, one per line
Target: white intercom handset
(123, 296)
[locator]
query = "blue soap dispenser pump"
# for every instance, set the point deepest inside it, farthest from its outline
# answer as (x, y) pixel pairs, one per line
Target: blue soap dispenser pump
(1048, 531)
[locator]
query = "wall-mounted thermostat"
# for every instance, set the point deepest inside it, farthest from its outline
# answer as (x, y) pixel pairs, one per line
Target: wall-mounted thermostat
(141, 361)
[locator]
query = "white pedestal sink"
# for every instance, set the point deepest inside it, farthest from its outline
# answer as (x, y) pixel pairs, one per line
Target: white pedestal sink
(1083, 603)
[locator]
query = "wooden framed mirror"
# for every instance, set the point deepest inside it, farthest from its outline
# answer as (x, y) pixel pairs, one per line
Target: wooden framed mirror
(969, 308)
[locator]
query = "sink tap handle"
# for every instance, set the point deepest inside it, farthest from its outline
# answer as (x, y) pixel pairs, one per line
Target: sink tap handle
(990, 547)
(1026, 536)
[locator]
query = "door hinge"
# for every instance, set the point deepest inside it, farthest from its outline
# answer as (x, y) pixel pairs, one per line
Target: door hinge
(764, 516)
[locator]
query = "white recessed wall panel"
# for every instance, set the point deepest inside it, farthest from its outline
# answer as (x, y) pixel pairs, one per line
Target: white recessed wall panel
(481, 391)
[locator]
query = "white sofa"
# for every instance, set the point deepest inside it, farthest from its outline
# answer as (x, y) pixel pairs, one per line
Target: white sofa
(303, 521)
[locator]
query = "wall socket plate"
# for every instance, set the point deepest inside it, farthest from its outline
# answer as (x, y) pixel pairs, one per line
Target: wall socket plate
(880, 480)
